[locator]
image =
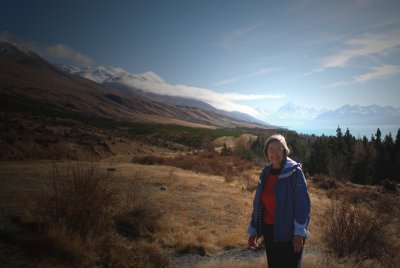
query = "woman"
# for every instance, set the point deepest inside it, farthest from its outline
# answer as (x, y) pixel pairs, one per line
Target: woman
(281, 207)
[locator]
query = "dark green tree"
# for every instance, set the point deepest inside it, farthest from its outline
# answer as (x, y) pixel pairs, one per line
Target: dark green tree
(319, 157)
(379, 171)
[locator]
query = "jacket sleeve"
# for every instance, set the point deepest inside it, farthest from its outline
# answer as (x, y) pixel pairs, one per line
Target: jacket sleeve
(252, 229)
(302, 204)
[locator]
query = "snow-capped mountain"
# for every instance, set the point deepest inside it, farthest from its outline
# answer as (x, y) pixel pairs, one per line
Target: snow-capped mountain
(99, 74)
(347, 115)
(360, 115)
(290, 114)
(149, 85)
(293, 111)
(29, 78)
(153, 86)
(108, 74)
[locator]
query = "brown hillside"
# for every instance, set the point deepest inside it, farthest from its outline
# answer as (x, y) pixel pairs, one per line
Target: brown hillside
(27, 79)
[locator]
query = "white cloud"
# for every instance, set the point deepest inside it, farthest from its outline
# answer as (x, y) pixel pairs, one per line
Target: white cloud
(364, 46)
(379, 72)
(234, 79)
(224, 101)
(63, 52)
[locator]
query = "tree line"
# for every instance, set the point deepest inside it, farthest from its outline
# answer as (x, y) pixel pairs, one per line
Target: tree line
(364, 161)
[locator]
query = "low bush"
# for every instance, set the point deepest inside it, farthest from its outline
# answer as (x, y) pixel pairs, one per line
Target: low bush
(83, 200)
(390, 186)
(79, 220)
(357, 229)
(149, 160)
(325, 183)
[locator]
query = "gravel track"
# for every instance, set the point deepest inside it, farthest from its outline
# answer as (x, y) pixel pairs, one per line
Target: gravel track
(193, 260)
(240, 254)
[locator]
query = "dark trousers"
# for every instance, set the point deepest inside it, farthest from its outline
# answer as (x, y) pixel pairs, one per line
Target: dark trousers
(280, 254)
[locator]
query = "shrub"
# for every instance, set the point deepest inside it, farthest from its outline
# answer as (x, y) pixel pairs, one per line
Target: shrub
(389, 186)
(324, 182)
(80, 218)
(356, 229)
(82, 200)
(148, 160)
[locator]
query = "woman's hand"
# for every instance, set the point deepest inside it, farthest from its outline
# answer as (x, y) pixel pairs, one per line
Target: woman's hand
(298, 243)
(253, 242)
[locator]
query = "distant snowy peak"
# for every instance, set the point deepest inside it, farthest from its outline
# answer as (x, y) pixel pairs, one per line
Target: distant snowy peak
(99, 74)
(108, 74)
(370, 110)
(292, 115)
(145, 77)
(360, 115)
(293, 111)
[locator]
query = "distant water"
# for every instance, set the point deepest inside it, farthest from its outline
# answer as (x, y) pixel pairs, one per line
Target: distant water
(356, 131)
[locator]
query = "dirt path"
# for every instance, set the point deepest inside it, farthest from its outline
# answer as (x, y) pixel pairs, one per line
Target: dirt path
(194, 260)
(239, 255)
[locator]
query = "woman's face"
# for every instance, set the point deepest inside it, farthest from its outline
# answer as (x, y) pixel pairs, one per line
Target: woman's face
(276, 153)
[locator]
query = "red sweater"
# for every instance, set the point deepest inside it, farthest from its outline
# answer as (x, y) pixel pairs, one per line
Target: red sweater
(268, 198)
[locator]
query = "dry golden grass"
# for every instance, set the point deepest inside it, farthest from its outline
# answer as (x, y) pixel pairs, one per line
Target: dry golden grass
(198, 213)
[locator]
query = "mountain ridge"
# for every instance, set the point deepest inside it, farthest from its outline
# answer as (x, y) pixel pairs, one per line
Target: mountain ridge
(291, 114)
(136, 85)
(31, 79)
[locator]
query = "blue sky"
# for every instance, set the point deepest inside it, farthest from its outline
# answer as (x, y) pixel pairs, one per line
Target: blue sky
(249, 54)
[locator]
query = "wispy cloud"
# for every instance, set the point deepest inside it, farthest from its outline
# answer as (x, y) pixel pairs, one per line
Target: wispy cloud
(64, 52)
(224, 101)
(379, 72)
(363, 46)
(232, 38)
(234, 79)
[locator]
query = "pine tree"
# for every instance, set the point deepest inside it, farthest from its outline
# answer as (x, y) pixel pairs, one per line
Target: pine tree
(319, 157)
(339, 141)
(361, 167)
(379, 165)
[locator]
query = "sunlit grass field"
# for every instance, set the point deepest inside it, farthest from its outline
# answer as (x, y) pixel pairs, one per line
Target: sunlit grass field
(145, 213)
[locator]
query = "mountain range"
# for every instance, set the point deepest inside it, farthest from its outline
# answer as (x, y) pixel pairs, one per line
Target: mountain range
(29, 82)
(115, 93)
(149, 85)
(289, 114)
(346, 115)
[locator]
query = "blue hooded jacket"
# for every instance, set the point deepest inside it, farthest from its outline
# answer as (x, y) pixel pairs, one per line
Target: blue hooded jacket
(292, 203)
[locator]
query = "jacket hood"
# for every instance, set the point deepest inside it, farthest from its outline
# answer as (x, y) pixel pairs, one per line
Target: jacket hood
(289, 167)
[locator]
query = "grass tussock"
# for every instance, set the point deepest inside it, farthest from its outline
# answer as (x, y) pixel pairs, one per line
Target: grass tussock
(137, 215)
(81, 219)
(82, 199)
